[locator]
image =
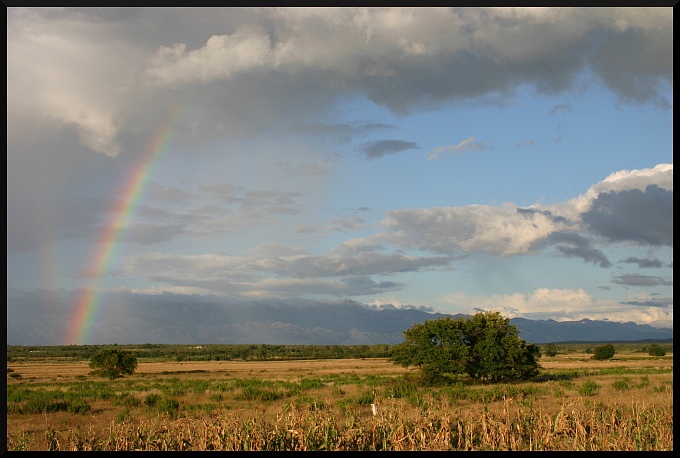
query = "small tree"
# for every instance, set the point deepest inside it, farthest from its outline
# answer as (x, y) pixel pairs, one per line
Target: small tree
(604, 352)
(113, 363)
(550, 350)
(484, 346)
(656, 350)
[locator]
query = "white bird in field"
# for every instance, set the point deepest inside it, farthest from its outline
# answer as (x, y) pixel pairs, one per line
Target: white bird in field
(374, 405)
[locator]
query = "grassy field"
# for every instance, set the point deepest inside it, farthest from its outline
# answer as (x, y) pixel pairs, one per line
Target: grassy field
(576, 403)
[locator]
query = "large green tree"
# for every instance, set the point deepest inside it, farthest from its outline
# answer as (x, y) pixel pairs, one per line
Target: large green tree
(484, 346)
(113, 363)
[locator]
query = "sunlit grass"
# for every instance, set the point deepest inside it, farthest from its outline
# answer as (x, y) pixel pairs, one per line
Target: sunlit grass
(622, 405)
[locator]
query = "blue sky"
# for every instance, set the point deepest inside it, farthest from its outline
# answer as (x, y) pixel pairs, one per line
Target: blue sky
(515, 159)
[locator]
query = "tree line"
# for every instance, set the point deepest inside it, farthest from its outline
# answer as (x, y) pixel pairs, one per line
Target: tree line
(204, 352)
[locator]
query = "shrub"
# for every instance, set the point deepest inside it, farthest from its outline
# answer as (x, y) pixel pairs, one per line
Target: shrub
(656, 350)
(128, 400)
(151, 399)
(169, 406)
(550, 350)
(604, 352)
(588, 389)
(78, 407)
(621, 385)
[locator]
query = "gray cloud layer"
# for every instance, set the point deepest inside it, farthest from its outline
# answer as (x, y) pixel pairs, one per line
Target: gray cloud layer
(281, 62)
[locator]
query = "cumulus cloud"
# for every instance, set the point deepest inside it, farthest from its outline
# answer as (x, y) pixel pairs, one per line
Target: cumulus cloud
(612, 210)
(660, 175)
(222, 56)
(501, 230)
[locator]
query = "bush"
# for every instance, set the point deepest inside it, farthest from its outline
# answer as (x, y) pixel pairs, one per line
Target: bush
(604, 352)
(151, 399)
(588, 389)
(550, 350)
(128, 400)
(621, 385)
(169, 406)
(78, 407)
(656, 350)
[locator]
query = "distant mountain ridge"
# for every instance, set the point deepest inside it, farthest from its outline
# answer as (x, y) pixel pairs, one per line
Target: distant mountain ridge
(37, 318)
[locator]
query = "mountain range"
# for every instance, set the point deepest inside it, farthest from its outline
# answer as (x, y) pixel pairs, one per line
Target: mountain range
(40, 319)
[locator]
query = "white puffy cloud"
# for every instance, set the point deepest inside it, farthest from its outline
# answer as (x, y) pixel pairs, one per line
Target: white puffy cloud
(560, 305)
(222, 56)
(502, 230)
(660, 175)
(507, 229)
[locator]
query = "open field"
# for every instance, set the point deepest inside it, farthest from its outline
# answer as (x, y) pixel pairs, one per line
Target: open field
(575, 404)
(44, 371)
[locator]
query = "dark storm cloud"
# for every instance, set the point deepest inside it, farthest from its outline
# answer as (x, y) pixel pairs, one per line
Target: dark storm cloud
(641, 280)
(383, 147)
(633, 215)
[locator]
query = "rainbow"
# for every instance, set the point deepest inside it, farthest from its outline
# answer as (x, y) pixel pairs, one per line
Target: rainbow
(88, 301)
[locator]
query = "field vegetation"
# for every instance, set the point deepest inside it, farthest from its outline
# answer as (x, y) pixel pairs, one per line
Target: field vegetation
(279, 398)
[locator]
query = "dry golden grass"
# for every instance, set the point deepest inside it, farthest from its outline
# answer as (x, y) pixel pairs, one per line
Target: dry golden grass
(41, 371)
(557, 417)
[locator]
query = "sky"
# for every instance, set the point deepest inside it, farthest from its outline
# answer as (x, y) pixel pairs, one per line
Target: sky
(453, 159)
